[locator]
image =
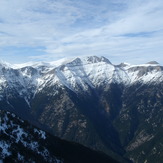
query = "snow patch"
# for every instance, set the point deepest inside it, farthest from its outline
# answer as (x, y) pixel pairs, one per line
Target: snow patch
(5, 149)
(41, 133)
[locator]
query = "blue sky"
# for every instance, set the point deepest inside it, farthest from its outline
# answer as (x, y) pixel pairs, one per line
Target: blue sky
(44, 30)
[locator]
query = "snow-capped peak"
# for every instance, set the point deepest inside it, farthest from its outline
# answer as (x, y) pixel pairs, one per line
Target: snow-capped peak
(94, 59)
(149, 64)
(74, 73)
(30, 64)
(70, 61)
(124, 64)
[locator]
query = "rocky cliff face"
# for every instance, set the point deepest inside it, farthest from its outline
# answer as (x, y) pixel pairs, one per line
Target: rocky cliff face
(112, 108)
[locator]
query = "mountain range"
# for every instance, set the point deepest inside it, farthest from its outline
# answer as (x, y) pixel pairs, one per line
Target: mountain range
(116, 109)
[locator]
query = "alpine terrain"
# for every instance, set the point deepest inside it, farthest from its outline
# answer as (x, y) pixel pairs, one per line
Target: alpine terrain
(116, 109)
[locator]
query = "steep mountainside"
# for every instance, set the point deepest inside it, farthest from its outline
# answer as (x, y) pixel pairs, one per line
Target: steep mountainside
(22, 142)
(117, 109)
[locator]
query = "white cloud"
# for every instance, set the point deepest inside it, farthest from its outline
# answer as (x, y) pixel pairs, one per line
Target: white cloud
(116, 29)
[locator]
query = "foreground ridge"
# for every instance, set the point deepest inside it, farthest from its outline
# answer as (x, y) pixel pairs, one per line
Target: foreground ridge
(23, 142)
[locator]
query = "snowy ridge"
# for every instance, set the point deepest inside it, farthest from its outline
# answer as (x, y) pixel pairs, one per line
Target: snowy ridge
(75, 73)
(16, 132)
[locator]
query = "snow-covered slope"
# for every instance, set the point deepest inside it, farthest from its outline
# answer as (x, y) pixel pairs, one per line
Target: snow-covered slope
(151, 72)
(75, 73)
(21, 142)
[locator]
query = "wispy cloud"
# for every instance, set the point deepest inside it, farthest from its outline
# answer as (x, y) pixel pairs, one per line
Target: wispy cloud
(120, 30)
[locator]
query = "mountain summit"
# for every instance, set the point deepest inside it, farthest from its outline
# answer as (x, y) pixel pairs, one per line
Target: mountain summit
(153, 62)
